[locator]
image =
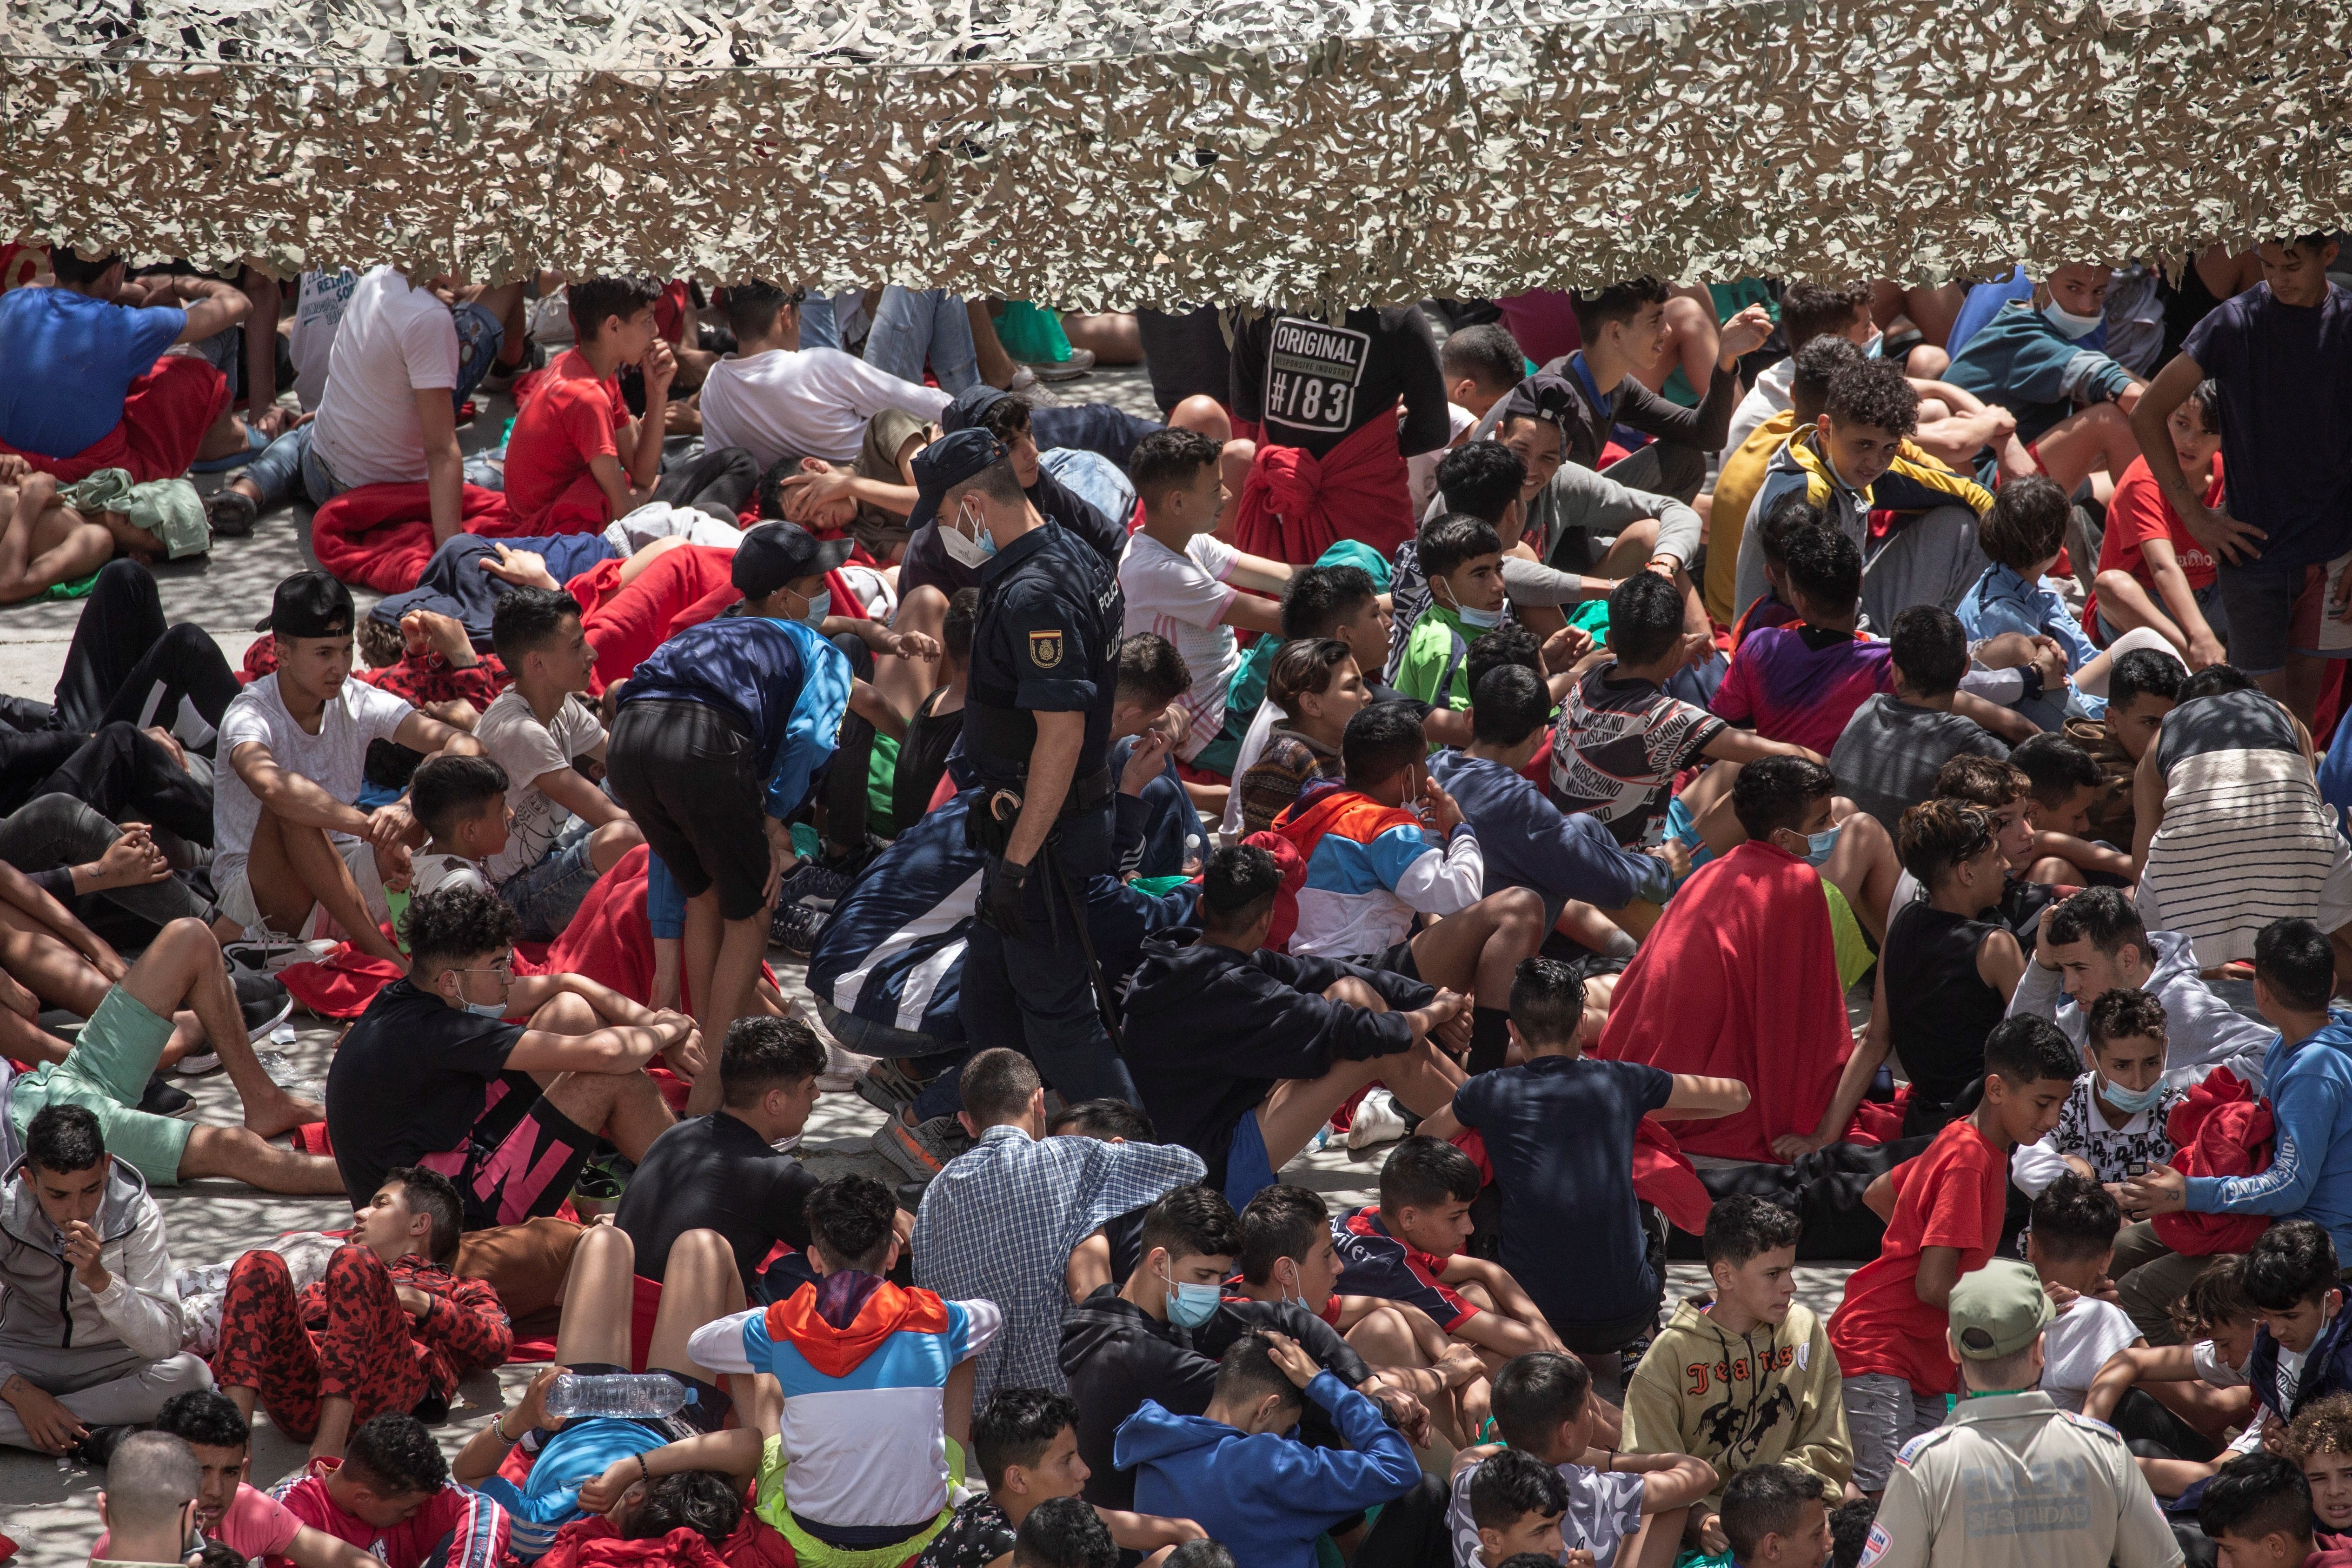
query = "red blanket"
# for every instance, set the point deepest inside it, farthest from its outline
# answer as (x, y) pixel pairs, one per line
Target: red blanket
(1739, 980)
(610, 939)
(381, 535)
(1294, 506)
(165, 414)
(592, 1542)
(2222, 1129)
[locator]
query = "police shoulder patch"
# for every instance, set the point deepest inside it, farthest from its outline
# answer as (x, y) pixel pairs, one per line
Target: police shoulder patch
(1045, 648)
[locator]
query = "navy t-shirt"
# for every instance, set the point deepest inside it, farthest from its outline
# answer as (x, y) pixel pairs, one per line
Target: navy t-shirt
(1559, 1134)
(2286, 418)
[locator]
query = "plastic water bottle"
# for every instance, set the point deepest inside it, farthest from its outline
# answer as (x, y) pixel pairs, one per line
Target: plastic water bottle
(632, 1394)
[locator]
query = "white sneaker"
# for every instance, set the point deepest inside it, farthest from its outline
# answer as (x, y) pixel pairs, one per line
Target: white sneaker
(1080, 361)
(269, 953)
(1377, 1121)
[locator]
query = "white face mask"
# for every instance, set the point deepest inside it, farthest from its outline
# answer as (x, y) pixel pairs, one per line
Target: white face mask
(2066, 321)
(818, 608)
(971, 550)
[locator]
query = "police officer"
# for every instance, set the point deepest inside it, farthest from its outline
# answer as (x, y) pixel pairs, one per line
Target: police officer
(1036, 732)
(2012, 1479)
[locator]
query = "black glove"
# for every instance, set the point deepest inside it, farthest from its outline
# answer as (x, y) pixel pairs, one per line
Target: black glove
(1003, 896)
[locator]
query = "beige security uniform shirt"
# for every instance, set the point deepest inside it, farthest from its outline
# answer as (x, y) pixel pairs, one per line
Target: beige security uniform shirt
(2013, 1481)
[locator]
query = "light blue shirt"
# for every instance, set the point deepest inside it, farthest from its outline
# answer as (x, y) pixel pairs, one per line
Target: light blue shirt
(2003, 601)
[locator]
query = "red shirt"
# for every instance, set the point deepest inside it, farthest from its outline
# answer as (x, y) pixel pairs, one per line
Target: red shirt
(2138, 513)
(1955, 1195)
(570, 418)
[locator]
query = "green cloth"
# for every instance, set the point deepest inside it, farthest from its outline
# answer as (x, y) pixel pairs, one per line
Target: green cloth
(105, 1074)
(1152, 887)
(168, 509)
(805, 843)
(881, 773)
(814, 1554)
(1438, 643)
(75, 590)
(1032, 333)
(1848, 941)
(1356, 553)
(1592, 616)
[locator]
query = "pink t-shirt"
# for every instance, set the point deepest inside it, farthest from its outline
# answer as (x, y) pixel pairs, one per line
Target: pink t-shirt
(255, 1525)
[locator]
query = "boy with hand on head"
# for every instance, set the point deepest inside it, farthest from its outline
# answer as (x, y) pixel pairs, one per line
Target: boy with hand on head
(2069, 1245)
(2064, 782)
(461, 804)
(1623, 1510)
(1241, 1053)
(1944, 1211)
(1517, 1503)
(1617, 749)
(1774, 1407)
(2113, 1126)
(1186, 584)
(293, 857)
(1898, 742)
(1572, 1227)
(229, 1512)
(566, 831)
(2143, 684)
(90, 1345)
(2197, 1393)
(1232, 1469)
(1408, 1249)
(1777, 1515)
(390, 1497)
(1373, 867)
(2256, 1510)
(389, 1327)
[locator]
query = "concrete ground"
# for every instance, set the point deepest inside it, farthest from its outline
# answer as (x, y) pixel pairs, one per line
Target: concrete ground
(47, 1505)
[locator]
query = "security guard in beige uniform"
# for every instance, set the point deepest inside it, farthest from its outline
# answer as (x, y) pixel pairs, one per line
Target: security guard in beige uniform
(2011, 1481)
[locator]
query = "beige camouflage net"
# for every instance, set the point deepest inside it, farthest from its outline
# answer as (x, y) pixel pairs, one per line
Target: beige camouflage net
(1102, 152)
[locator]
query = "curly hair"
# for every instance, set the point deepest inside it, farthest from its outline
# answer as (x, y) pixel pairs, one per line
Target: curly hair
(1938, 834)
(1874, 393)
(454, 924)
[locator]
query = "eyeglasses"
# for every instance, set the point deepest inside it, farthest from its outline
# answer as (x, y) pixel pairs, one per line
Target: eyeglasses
(503, 969)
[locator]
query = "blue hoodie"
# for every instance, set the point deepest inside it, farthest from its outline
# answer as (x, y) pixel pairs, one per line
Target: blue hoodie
(1266, 1498)
(2310, 1177)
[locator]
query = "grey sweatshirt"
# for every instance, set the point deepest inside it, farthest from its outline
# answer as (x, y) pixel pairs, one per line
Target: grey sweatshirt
(2203, 1031)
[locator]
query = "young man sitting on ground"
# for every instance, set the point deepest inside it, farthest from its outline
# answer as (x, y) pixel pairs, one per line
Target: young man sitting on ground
(1892, 749)
(1627, 1510)
(594, 1341)
(1408, 1247)
(1287, 1256)
(107, 1071)
(1231, 1468)
(2143, 685)
(2072, 404)
(721, 1173)
(1241, 1053)
(2069, 1243)
(778, 400)
(461, 805)
(1572, 1227)
(389, 1327)
(91, 1343)
(1462, 560)
(566, 831)
(576, 460)
(2066, 781)
(1782, 1405)
(391, 1496)
(1777, 1515)
(1185, 583)
(293, 857)
(1158, 1335)
(1371, 869)
(1001, 1220)
(1624, 332)
(1518, 1504)
(434, 1073)
(1801, 683)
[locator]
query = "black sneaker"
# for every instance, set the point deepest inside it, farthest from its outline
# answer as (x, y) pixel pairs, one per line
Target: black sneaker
(232, 513)
(162, 1099)
(263, 999)
(796, 927)
(97, 1444)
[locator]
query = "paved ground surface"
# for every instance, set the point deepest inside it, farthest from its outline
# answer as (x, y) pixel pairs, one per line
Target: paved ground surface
(48, 1506)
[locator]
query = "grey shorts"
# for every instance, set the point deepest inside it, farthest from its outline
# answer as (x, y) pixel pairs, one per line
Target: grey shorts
(1882, 1413)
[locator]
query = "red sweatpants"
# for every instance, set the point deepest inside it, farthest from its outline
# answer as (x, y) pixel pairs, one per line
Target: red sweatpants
(364, 1355)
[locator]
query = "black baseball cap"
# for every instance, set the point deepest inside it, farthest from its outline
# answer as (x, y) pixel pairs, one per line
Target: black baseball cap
(948, 462)
(1542, 396)
(970, 406)
(309, 604)
(775, 553)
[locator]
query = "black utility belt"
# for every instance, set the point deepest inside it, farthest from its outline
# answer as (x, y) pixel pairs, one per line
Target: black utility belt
(988, 827)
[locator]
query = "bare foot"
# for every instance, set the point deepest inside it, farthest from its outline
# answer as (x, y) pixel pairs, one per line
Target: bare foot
(281, 1112)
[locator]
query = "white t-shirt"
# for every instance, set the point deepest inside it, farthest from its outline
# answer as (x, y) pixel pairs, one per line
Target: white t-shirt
(394, 342)
(803, 403)
(325, 295)
(2212, 1369)
(1261, 723)
(1183, 597)
(334, 759)
(515, 739)
(2078, 1343)
(1769, 397)
(433, 872)
(1420, 469)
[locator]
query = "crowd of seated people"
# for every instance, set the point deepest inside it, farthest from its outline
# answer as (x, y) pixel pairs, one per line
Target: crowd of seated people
(1724, 792)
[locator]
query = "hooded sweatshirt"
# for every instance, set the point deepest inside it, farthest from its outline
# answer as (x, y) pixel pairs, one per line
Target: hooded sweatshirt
(1117, 1357)
(43, 1306)
(1266, 1497)
(862, 1363)
(2309, 1087)
(2202, 1031)
(1772, 1396)
(1210, 1031)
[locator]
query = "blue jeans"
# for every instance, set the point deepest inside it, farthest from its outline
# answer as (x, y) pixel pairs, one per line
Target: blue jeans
(546, 896)
(819, 330)
(915, 325)
(1092, 478)
(276, 469)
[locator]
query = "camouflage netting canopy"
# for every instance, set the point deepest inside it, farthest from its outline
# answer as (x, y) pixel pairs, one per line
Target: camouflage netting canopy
(1101, 153)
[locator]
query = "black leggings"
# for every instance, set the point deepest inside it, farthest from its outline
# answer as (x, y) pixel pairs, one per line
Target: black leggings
(126, 665)
(718, 482)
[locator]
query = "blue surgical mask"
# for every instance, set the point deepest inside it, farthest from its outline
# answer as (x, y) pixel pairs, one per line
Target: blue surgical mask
(1819, 846)
(2066, 321)
(1190, 1306)
(2130, 1101)
(488, 1009)
(818, 608)
(1875, 346)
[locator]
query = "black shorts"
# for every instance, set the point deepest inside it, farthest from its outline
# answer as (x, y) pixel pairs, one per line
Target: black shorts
(524, 1158)
(1396, 960)
(685, 770)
